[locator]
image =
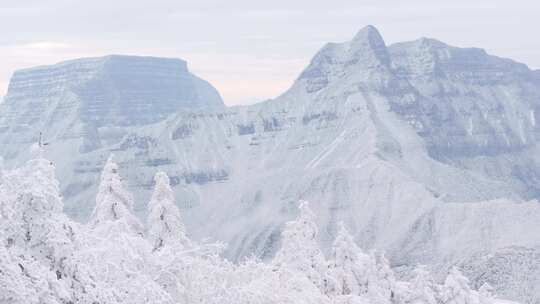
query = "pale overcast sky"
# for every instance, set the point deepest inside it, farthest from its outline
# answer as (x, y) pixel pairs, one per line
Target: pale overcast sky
(251, 50)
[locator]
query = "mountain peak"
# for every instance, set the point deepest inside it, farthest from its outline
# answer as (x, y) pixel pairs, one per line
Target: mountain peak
(369, 33)
(369, 46)
(366, 51)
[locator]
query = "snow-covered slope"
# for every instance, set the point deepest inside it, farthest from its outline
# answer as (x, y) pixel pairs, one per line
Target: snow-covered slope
(424, 150)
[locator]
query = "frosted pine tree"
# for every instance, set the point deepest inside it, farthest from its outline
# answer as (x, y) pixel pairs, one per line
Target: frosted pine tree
(456, 289)
(31, 201)
(423, 289)
(37, 233)
(165, 227)
(299, 247)
(349, 265)
(381, 280)
(486, 294)
(113, 201)
(120, 258)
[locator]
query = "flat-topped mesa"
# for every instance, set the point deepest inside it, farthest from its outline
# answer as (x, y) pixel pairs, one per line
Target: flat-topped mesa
(363, 55)
(110, 90)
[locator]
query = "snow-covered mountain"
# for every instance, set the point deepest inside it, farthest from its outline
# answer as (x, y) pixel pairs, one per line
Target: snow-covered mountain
(73, 99)
(424, 150)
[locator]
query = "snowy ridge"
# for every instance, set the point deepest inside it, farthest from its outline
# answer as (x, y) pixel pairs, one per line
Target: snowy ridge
(425, 151)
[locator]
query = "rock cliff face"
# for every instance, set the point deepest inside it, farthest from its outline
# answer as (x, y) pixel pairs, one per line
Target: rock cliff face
(424, 150)
(467, 102)
(473, 110)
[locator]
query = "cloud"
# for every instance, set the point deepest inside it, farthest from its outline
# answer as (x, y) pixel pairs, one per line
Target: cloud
(46, 45)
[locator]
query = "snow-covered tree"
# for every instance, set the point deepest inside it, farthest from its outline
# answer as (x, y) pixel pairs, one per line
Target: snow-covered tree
(486, 293)
(381, 280)
(37, 234)
(113, 201)
(423, 289)
(167, 237)
(357, 276)
(348, 266)
(300, 250)
(122, 266)
(257, 282)
(32, 206)
(456, 290)
(165, 227)
(119, 257)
